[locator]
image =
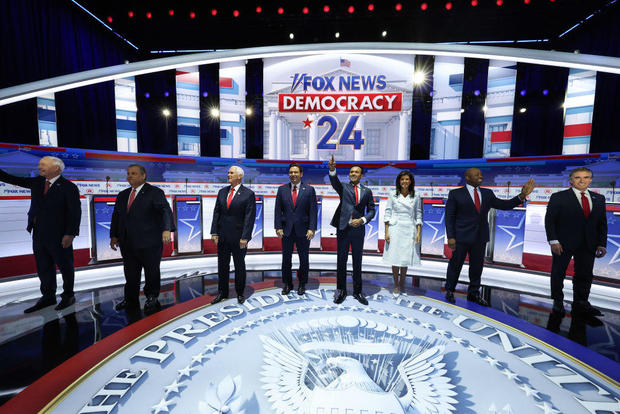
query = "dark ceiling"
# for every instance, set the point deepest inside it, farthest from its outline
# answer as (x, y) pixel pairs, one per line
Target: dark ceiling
(171, 27)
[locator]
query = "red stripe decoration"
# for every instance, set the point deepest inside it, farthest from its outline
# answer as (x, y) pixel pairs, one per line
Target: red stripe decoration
(405, 164)
(613, 208)
(288, 162)
(104, 199)
(545, 158)
(32, 147)
(429, 201)
(127, 157)
(226, 82)
(577, 130)
(187, 198)
(501, 136)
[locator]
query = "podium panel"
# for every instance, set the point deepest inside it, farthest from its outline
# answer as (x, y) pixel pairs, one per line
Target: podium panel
(371, 240)
(609, 266)
(509, 234)
(315, 243)
(102, 207)
(433, 226)
(188, 218)
(257, 232)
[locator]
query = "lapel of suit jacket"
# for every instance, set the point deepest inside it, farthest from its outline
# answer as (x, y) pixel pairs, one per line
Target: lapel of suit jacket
(594, 197)
(300, 193)
(575, 201)
(237, 194)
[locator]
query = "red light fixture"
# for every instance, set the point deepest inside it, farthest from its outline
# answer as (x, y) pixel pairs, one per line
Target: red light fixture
(351, 9)
(149, 15)
(326, 8)
(171, 12)
(499, 2)
(192, 15)
(423, 6)
(130, 14)
(280, 10)
(474, 3)
(371, 7)
(236, 13)
(213, 12)
(259, 9)
(305, 10)
(449, 5)
(110, 19)
(526, 1)
(398, 7)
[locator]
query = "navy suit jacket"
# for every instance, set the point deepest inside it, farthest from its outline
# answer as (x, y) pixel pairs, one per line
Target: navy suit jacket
(300, 217)
(149, 215)
(463, 222)
(58, 213)
(347, 208)
(566, 223)
(236, 222)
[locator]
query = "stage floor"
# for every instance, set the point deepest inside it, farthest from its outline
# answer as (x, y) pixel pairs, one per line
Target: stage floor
(191, 357)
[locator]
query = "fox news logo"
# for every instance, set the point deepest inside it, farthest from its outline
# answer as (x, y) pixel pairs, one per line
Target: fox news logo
(340, 83)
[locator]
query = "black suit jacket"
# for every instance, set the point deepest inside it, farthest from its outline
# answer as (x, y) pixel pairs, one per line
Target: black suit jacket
(236, 222)
(57, 213)
(566, 223)
(141, 227)
(463, 222)
(347, 208)
(300, 217)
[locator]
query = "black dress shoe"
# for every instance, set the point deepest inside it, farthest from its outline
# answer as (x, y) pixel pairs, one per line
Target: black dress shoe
(450, 296)
(360, 298)
(558, 308)
(240, 299)
(152, 305)
(41, 303)
(287, 289)
(477, 299)
(340, 296)
(65, 303)
(124, 304)
(301, 290)
(220, 297)
(591, 311)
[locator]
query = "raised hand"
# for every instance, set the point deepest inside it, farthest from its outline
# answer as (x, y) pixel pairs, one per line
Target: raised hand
(528, 187)
(332, 163)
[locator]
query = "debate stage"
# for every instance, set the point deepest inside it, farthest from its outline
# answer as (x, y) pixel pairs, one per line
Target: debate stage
(401, 354)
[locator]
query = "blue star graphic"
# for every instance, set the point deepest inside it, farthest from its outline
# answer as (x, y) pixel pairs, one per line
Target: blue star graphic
(512, 235)
(192, 235)
(615, 258)
(440, 225)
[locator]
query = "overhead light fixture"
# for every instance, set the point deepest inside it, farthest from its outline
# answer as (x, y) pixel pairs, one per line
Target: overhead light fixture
(166, 112)
(215, 113)
(337, 35)
(384, 33)
(419, 77)
(291, 36)
(523, 110)
(248, 111)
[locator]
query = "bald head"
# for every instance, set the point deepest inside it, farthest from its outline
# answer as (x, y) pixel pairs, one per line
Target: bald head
(473, 177)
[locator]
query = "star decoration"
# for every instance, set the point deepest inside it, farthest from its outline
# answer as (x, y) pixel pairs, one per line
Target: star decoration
(251, 323)
(441, 332)
(307, 122)
(198, 358)
(410, 319)
(174, 387)
(509, 374)
(237, 330)
(210, 347)
(224, 338)
(547, 408)
(494, 362)
(161, 407)
(458, 340)
(186, 372)
(529, 391)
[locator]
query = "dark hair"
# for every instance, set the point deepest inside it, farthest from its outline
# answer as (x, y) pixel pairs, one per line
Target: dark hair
(411, 185)
(359, 166)
(294, 164)
(578, 169)
(142, 169)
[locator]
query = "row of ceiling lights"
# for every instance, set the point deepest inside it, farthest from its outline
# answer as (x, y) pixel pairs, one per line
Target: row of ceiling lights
(326, 9)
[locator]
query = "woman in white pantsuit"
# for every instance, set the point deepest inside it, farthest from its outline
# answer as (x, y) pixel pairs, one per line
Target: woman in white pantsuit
(403, 225)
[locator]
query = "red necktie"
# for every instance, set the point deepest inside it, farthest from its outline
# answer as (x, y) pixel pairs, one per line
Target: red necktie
(357, 196)
(47, 187)
(294, 194)
(585, 204)
(477, 199)
(230, 196)
(132, 196)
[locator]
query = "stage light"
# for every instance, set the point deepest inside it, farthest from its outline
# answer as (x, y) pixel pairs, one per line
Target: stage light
(291, 36)
(351, 9)
(130, 14)
(526, 1)
(236, 13)
(259, 9)
(462, 110)
(449, 5)
(281, 10)
(305, 10)
(147, 95)
(545, 92)
(337, 35)
(499, 2)
(484, 108)
(213, 12)
(419, 77)
(398, 7)
(149, 15)
(371, 7)
(477, 92)
(423, 6)
(166, 94)
(205, 94)
(171, 12)
(523, 92)
(110, 19)
(326, 9)
(474, 3)
(248, 111)
(522, 110)
(383, 33)
(166, 112)
(215, 112)
(192, 15)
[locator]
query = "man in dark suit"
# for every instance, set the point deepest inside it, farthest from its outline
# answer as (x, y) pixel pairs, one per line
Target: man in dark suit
(141, 223)
(295, 223)
(231, 230)
(467, 229)
(54, 215)
(356, 208)
(576, 226)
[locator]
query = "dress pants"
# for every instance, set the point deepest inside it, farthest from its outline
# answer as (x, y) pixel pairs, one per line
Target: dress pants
(303, 248)
(48, 254)
(476, 262)
(582, 281)
(352, 237)
(134, 260)
(227, 246)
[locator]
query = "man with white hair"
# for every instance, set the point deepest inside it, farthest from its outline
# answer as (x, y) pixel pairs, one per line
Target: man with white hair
(54, 220)
(231, 230)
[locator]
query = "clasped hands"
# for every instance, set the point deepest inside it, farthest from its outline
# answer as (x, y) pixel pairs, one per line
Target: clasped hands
(309, 233)
(556, 249)
(166, 237)
(242, 243)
